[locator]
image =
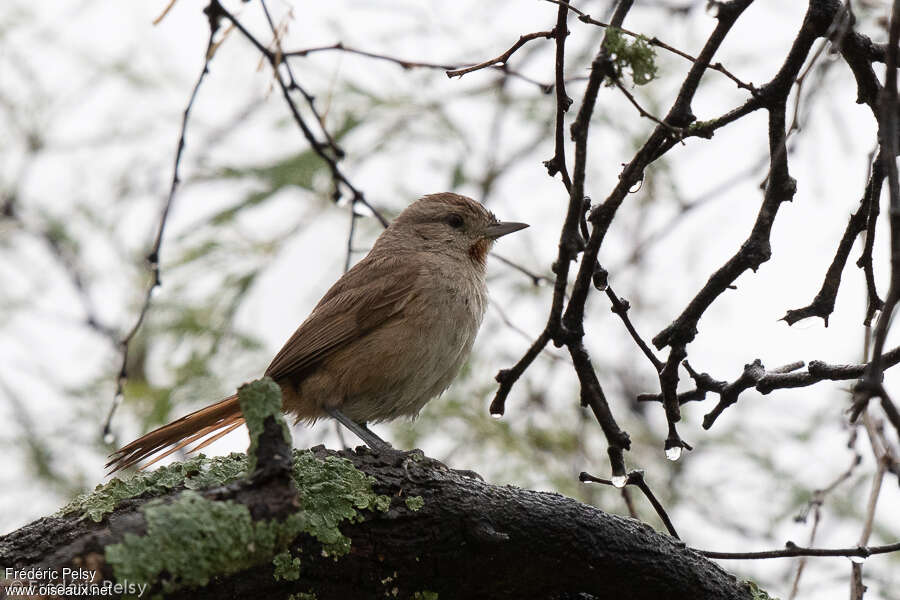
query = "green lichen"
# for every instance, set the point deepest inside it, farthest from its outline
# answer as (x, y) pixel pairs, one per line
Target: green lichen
(331, 491)
(757, 593)
(258, 400)
(199, 472)
(415, 503)
(192, 539)
(638, 56)
(287, 566)
(303, 596)
(425, 595)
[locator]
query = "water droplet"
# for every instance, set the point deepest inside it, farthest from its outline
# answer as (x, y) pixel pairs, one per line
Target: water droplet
(673, 453)
(858, 559)
(496, 416)
(712, 8)
(619, 480)
(109, 438)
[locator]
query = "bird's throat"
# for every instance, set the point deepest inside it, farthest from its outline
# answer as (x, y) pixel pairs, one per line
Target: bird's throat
(479, 250)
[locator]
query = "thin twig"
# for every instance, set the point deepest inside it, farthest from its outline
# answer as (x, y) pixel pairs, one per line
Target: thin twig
(644, 113)
(501, 60)
(410, 64)
(791, 550)
(620, 307)
(153, 256)
(294, 84)
(318, 147)
(654, 41)
(871, 385)
(815, 506)
(557, 164)
(406, 64)
(786, 377)
(636, 478)
(353, 217)
(536, 279)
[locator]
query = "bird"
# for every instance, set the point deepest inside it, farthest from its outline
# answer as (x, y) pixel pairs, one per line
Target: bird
(390, 334)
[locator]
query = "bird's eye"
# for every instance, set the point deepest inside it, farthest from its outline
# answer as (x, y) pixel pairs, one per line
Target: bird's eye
(455, 221)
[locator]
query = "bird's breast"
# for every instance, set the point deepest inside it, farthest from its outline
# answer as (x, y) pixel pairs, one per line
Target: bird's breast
(439, 327)
(396, 368)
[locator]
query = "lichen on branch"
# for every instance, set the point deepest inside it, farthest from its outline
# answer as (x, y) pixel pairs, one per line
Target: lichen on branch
(637, 56)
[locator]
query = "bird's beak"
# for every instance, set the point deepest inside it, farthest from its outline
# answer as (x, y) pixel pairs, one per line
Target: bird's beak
(492, 232)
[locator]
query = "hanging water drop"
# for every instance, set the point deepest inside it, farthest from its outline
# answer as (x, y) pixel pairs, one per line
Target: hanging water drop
(619, 480)
(109, 438)
(857, 559)
(496, 415)
(673, 453)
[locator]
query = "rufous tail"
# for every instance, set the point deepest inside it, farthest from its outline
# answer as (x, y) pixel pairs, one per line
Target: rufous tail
(213, 421)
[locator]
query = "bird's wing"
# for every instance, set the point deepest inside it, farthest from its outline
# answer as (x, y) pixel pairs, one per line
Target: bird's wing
(372, 292)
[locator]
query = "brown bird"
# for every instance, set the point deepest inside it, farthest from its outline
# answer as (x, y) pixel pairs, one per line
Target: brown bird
(390, 334)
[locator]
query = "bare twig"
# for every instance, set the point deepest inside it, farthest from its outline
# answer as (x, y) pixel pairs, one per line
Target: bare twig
(620, 307)
(321, 149)
(636, 478)
(791, 550)
(501, 60)
(823, 304)
(535, 278)
(654, 41)
(644, 113)
(409, 64)
(213, 14)
(295, 85)
(766, 381)
(340, 46)
(815, 506)
(871, 385)
(557, 164)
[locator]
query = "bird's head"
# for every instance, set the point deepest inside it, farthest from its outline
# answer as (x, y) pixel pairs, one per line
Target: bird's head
(450, 224)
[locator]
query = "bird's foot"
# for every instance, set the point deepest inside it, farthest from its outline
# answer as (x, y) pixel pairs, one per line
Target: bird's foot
(412, 458)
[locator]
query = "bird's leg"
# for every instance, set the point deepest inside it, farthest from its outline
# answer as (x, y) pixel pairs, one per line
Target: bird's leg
(369, 437)
(385, 450)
